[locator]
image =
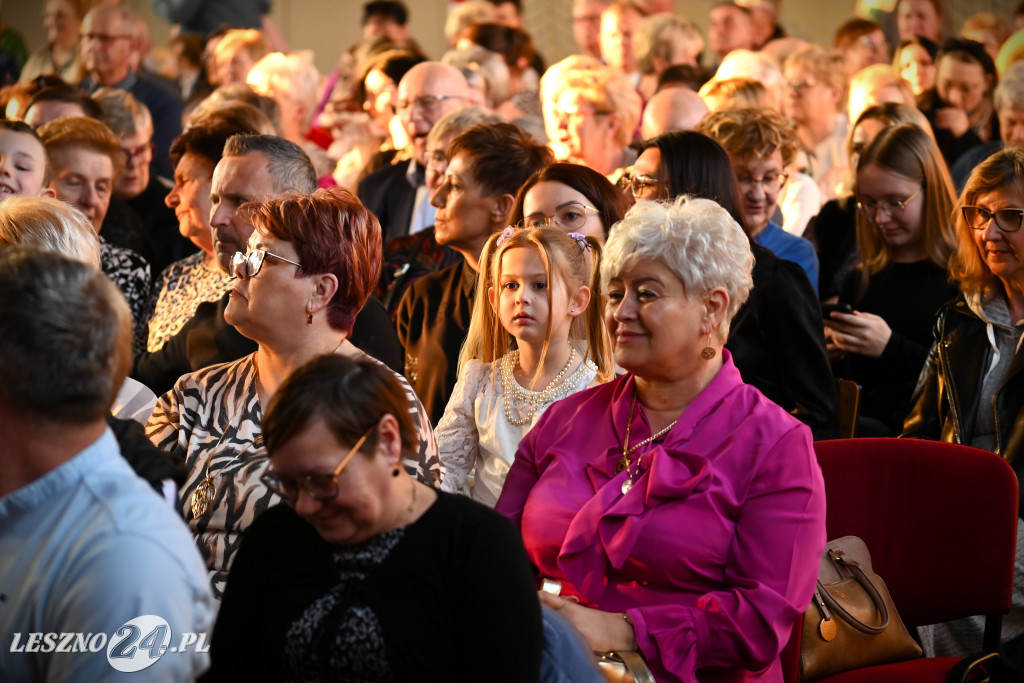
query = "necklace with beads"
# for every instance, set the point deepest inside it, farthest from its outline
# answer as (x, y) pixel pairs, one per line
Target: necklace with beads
(625, 463)
(514, 395)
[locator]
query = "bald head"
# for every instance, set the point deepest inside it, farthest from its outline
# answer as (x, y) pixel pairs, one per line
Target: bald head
(427, 92)
(672, 109)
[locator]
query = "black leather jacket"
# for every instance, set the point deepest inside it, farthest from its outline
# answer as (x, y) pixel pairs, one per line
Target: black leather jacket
(947, 397)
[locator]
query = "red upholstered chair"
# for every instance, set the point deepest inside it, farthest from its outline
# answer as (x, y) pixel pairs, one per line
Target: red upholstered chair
(940, 521)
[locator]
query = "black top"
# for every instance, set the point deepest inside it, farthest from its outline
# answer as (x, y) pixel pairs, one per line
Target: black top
(908, 297)
(169, 245)
(388, 193)
(207, 339)
(833, 232)
(432, 321)
(450, 597)
(777, 342)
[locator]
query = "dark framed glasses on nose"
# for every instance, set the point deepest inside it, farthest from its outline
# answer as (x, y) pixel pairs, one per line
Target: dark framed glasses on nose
(1007, 220)
(319, 486)
(249, 265)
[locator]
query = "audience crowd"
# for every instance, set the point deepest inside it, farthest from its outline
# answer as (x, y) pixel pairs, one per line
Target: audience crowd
(466, 365)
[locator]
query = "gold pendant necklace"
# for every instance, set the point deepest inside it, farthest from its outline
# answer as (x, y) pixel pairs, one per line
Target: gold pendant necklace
(625, 463)
(206, 491)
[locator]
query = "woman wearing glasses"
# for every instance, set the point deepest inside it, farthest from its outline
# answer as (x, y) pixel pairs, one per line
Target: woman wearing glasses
(775, 339)
(367, 574)
(972, 389)
(762, 145)
(312, 262)
(880, 338)
(571, 197)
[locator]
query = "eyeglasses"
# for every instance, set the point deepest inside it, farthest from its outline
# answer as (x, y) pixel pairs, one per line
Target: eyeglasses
(639, 182)
(138, 154)
(770, 182)
(571, 216)
(428, 104)
(1007, 220)
(890, 207)
(248, 265)
(103, 38)
(579, 112)
(437, 161)
(800, 86)
(319, 486)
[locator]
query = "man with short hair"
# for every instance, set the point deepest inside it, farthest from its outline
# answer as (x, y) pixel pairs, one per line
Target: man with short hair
(253, 168)
(487, 165)
(386, 19)
(730, 27)
(108, 46)
(397, 194)
(86, 546)
(620, 22)
(586, 25)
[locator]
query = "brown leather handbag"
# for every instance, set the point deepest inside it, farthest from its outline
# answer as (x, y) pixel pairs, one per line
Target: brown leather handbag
(852, 621)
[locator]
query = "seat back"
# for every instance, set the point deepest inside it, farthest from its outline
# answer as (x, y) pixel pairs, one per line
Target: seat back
(849, 406)
(940, 521)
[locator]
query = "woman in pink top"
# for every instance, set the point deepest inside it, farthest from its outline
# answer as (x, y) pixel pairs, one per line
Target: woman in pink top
(679, 511)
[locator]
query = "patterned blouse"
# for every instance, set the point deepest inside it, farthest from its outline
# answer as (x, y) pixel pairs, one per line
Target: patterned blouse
(182, 286)
(130, 272)
(212, 420)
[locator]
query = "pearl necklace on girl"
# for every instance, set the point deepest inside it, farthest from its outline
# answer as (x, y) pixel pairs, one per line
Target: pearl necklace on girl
(558, 388)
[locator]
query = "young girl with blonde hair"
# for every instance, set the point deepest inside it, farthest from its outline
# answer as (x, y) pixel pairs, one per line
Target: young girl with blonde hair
(537, 336)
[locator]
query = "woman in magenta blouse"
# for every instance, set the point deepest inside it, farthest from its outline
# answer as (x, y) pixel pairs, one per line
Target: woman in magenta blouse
(681, 512)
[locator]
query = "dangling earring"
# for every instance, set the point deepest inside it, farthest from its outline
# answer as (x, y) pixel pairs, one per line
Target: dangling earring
(309, 318)
(395, 472)
(709, 351)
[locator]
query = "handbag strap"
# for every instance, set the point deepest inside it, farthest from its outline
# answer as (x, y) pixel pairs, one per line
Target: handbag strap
(865, 581)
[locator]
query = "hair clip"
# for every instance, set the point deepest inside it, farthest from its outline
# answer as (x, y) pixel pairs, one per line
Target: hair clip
(505, 235)
(580, 240)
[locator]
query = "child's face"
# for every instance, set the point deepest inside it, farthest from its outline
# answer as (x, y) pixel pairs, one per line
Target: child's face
(22, 164)
(522, 297)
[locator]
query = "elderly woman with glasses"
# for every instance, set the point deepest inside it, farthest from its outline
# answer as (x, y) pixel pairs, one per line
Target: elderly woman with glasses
(674, 510)
(971, 390)
(366, 573)
(312, 263)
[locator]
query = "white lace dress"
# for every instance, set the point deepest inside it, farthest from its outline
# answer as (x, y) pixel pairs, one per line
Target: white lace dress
(475, 430)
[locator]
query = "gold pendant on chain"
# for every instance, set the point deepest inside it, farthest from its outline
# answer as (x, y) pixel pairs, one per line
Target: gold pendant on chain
(202, 497)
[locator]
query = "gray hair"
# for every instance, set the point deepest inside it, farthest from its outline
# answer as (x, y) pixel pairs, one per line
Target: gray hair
(1009, 94)
(660, 35)
(65, 337)
(50, 225)
(292, 76)
(122, 113)
(288, 165)
(694, 238)
(455, 123)
(476, 61)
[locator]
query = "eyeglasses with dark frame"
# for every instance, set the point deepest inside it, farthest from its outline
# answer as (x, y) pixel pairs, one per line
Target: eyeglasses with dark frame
(572, 216)
(869, 207)
(429, 104)
(249, 265)
(1007, 220)
(321, 487)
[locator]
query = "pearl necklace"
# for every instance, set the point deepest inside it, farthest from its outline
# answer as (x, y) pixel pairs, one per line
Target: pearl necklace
(624, 462)
(556, 388)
